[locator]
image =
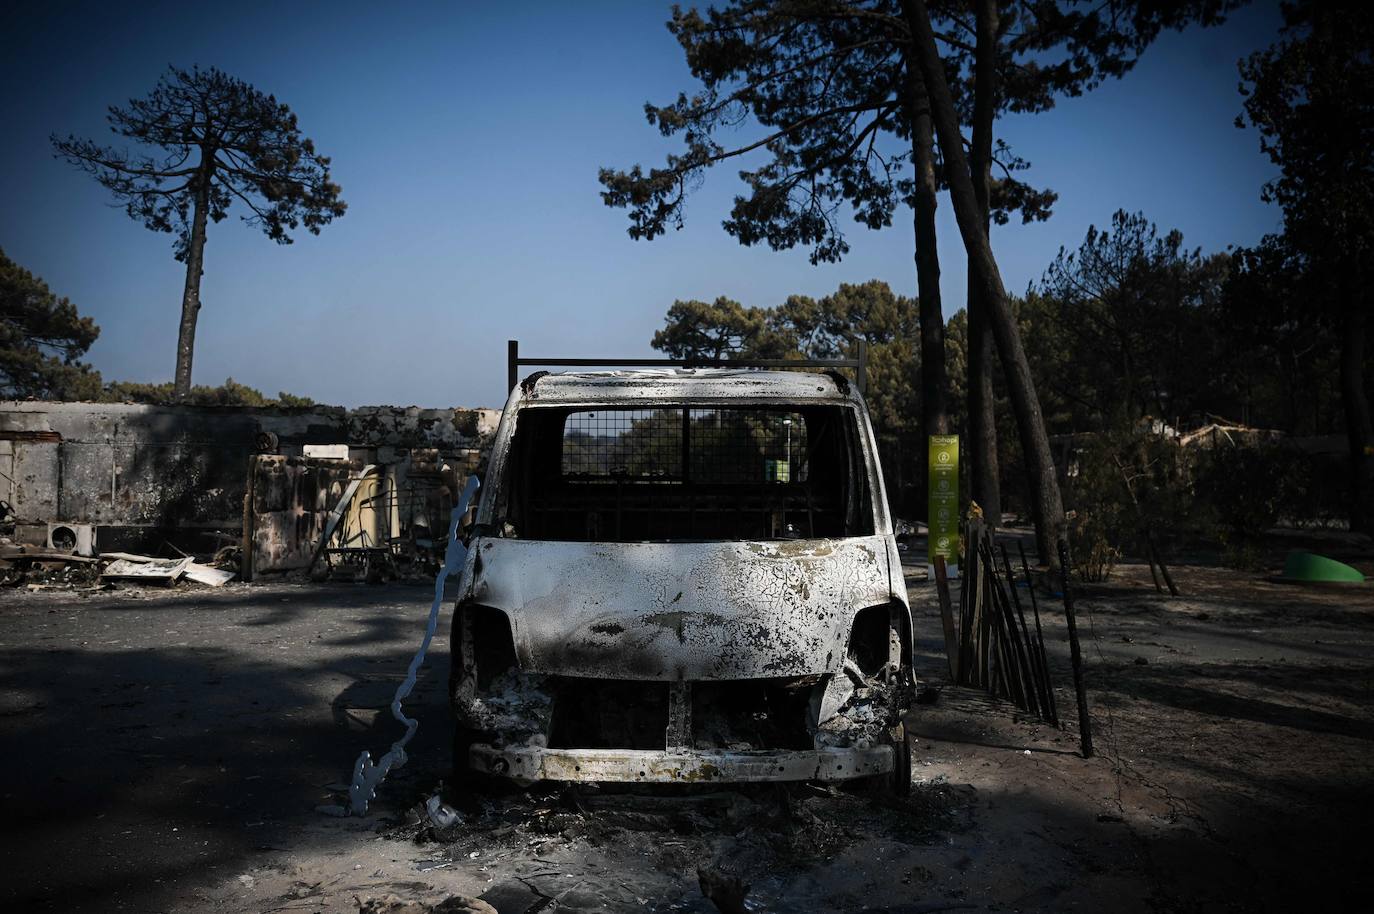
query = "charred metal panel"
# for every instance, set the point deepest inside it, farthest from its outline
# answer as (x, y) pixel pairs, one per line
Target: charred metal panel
(680, 611)
(289, 501)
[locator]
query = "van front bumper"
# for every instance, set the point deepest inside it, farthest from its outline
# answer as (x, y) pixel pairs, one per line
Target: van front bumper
(534, 763)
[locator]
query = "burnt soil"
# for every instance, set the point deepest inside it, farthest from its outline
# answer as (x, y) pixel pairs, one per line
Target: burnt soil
(165, 751)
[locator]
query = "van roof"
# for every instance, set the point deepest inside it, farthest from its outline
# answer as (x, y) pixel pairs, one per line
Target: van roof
(666, 385)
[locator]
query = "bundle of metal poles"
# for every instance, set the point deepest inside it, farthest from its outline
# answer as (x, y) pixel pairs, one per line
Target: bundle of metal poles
(996, 647)
(993, 644)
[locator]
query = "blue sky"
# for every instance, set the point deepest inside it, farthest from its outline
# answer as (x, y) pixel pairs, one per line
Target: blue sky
(467, 139)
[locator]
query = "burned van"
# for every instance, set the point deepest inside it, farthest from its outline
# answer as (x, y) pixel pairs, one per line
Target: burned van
(682, 575)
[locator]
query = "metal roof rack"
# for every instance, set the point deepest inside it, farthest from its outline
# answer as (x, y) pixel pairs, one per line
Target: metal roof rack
(860, 364)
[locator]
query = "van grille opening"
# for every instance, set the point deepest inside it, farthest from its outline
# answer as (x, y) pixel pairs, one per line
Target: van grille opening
(618, 714)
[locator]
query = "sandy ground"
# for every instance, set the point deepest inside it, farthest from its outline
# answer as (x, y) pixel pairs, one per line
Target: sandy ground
(165, 752)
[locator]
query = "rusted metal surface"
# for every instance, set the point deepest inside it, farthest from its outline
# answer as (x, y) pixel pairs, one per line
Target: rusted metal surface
(533, 763)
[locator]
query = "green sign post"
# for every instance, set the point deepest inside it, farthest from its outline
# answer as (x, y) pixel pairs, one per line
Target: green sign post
(942, 518)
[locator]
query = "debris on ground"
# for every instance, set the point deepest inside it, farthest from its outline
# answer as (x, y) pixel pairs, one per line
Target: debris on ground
(442, 814)
(726, 890)
(557, 847)
(454, 904)
(44, 571)
(40, 568)
(208, 575)
(516, 705)
(159, 571)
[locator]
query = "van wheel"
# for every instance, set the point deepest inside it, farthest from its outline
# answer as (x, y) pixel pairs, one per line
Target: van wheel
(898, 781)
(468, 785)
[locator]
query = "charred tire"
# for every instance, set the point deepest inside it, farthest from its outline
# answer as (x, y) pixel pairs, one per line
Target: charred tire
(897, 782)
(468, 784)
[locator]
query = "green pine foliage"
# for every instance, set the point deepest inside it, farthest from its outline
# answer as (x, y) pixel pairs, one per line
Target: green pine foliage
(42, 340)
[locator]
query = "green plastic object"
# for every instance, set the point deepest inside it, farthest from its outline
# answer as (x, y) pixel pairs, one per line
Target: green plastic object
(1309, 568)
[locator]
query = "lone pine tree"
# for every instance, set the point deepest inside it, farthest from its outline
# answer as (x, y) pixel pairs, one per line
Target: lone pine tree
(219, 141)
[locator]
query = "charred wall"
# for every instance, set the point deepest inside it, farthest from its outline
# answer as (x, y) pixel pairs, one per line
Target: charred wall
(139, 472)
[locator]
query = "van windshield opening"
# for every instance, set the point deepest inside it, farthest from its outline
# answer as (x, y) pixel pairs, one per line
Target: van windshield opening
(685, 473)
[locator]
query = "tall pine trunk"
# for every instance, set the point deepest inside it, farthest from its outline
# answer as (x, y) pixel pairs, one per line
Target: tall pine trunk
(190, 296)
(1355, 403)
(982, 417)
(1047, 504)
(934, 382)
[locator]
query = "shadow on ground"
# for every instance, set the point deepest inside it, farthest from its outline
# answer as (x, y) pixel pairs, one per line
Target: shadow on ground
(164, 741)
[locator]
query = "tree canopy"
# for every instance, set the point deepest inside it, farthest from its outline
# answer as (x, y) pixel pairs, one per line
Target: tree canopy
(42, 340)
(828, 327)
(826, 81)
(217, 135)
(717, 330)
(1120, 328)
(230, 393)
(1309, 97)
(827, 84)
(1283, 341)
(831, 326)
(838, 102)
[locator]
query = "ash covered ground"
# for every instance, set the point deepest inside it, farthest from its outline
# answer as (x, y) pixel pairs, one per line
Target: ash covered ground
(166, 751)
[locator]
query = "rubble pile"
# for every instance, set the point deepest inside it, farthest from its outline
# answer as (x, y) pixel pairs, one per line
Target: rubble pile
(516, 705)
(856, 710)
(39, 568)
(48, 573)
(585, 848)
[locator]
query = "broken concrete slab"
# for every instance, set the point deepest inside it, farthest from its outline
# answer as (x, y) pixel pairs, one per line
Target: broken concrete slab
(209, 575)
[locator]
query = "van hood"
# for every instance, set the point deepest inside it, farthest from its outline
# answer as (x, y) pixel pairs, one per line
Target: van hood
(679, 611)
